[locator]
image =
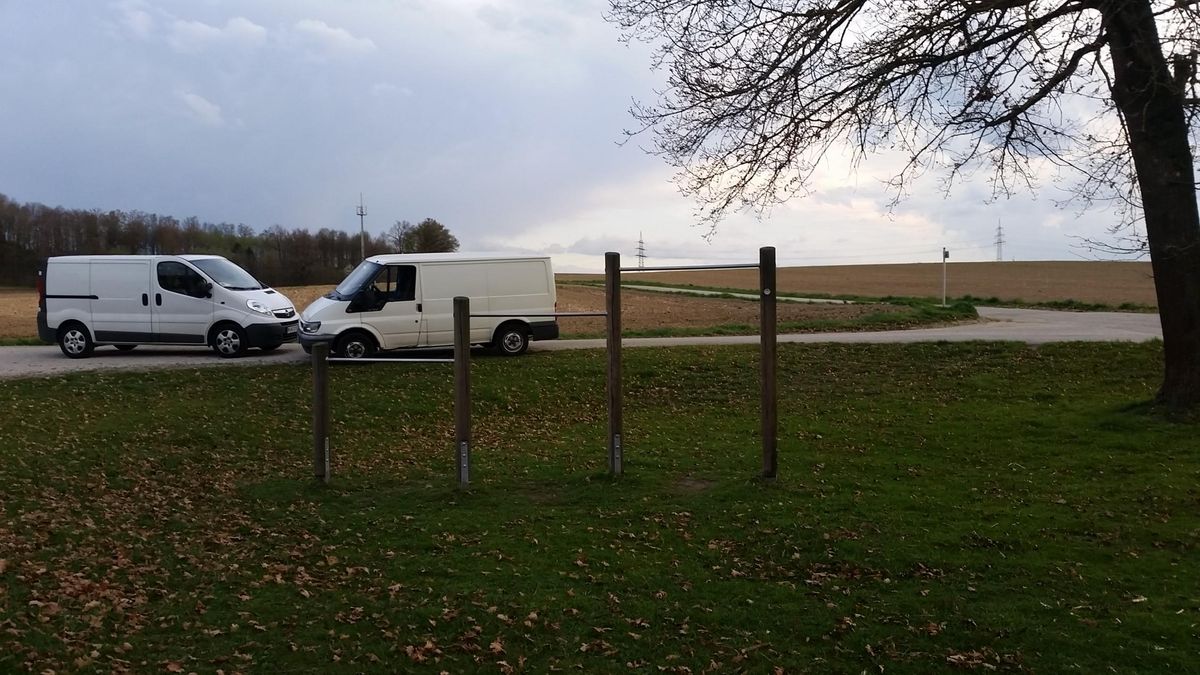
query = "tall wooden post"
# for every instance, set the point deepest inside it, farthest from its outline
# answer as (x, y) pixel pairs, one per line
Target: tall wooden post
(612, 295)
(945, 257)
(320, 412)
(462, 390)
(767, 331)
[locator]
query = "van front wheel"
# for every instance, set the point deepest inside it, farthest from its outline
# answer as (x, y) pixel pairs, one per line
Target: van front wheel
(74, 341)
(229, 341)
(355, 345)
(511, 339)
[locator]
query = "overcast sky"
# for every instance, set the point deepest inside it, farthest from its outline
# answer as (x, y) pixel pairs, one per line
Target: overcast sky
(501, 119)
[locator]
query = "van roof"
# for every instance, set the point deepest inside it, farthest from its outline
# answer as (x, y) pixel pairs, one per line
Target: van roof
(394, 258)
(115, 258)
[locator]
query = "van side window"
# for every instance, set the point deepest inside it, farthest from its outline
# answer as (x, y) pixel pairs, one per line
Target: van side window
(396, 283)
(179, 278)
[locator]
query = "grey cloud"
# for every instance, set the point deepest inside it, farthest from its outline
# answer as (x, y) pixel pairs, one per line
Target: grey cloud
(191, 36)
(495, 17)
(323, 39)
(202, 109)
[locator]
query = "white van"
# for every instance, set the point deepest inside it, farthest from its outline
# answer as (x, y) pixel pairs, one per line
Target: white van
(407, 300)
(130, 300)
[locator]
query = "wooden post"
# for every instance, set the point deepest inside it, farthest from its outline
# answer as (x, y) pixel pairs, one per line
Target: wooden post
(612, 295)
(320, 370)
(462, 390)
(945, 257)
(767, 330)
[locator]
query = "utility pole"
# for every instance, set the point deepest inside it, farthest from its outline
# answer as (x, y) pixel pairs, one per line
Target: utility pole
(999, 241)
(945, 257)
(641, 252)
(362, 230)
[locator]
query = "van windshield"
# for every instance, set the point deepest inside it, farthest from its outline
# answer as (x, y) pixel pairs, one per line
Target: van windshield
(352, 284)
(227, 274)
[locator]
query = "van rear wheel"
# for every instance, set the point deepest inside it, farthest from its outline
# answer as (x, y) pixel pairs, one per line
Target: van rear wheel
(355, 345)
(75, 341)
(229, 340)
(511, 339)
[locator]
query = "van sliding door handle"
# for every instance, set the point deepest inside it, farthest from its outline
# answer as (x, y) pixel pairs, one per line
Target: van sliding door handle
(418, 306)
(145, 300)
(158, 299)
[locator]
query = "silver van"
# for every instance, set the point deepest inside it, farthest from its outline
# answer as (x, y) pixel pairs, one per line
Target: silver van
(85, 301)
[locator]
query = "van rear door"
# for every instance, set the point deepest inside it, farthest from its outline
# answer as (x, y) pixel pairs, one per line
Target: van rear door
(121, 300)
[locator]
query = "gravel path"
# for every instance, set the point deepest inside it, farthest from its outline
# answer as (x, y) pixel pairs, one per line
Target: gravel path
(1031, 326)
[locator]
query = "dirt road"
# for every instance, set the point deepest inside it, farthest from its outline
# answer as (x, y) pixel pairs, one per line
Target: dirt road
(1020, 325)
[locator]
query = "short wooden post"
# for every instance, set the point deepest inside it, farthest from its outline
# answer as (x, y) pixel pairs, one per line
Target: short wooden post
(767, 342)
(462, 390)
(612, 294)
(320, 412)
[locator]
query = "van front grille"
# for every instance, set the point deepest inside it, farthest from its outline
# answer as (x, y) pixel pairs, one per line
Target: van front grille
(284, 313)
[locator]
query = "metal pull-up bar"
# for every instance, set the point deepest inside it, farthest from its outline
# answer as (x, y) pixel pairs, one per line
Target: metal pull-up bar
(462, 381)
(675, 268)
(767, 348)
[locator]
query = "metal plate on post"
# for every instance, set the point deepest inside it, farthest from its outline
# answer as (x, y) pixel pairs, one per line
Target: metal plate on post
(464, 463)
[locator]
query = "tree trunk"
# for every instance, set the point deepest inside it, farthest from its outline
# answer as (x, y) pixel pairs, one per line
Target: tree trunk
(1152, 106)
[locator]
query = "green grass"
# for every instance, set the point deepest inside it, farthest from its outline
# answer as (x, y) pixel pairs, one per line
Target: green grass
(939, 507)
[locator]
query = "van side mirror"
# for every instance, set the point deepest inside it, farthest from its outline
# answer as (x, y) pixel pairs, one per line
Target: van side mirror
(208, 289)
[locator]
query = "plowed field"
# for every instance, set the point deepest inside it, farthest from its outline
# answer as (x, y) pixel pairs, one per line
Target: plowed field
(1109, 283)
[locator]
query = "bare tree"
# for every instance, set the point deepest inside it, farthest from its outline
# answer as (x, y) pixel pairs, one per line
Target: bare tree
(397, 234)
(758, 92)
(429, 236)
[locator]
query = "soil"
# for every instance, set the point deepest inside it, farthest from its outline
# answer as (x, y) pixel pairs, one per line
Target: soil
(1102, 282)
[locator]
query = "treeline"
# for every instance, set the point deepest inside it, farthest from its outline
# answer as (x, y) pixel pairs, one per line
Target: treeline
(30, 233)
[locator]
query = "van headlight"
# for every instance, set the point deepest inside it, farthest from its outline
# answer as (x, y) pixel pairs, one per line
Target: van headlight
(310, 326)
(257, 306)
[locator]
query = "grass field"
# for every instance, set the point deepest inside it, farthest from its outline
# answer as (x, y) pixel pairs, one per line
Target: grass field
(940, 508)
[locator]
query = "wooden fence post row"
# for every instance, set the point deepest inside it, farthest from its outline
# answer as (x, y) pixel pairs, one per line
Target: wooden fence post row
(616, 461)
